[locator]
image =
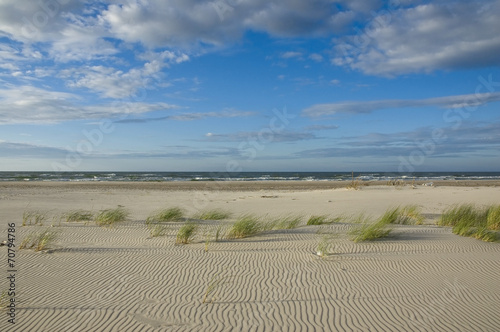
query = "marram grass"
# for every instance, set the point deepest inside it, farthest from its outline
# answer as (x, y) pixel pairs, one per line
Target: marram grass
(186, 233)
(111, 216)
(368, 230)
(38, 240)
(213, 214)
(493, 219)
(34, 218)
(470, 220)
(158, 230)
(170, 214)
(78, 215)
(245, 226)
(287, 222)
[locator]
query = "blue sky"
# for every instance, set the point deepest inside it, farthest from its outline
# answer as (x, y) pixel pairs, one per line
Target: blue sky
(250, 85)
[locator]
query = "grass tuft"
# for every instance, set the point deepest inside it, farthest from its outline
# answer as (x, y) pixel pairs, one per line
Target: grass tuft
(410, 215)
(38, 241)
(245, 226)
(214, 214)
(390, 216)
(78, 215)
(317, 220)
(158, 230)
(460, 214)
(171, 214)
(213, 285)
(286, 222)
(472, 221)
(493, 218)
(111, 216)
(34, 218)
(186, 233)
(368, 230)
(325, 245)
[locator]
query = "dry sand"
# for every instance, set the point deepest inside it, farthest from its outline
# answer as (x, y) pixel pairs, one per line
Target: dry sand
(421, 278)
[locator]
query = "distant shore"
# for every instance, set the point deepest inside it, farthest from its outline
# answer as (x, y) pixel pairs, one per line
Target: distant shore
(234, 185)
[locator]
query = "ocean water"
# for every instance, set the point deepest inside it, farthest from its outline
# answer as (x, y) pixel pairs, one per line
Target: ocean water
(243, 176)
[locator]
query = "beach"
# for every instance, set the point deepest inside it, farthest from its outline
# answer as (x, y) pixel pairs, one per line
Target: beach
(119, 278)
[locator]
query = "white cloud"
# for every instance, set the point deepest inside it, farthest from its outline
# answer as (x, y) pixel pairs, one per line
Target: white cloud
(27, 104)
(189, 22)
(191, 116)
(291, 54)
(355, 107)
(316, 57)
(424, 38)
(114, 83)
(274, 137)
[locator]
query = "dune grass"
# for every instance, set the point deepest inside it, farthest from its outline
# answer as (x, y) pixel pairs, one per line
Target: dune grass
(38, 240)
(170, 214)
(390, 216)
(317, 220)
(110, 217)
(470, 220)
(325, 245)
(213, 214)
(220, 232)
(213, 285)
(410, 215)
(285, 222)
(157, 230)
(246, 225)
(493, 218)
(34, 218)
(78, 215)
(186, 233)
(367, 230)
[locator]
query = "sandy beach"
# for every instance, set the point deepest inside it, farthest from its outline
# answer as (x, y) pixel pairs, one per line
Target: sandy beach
(419, 278)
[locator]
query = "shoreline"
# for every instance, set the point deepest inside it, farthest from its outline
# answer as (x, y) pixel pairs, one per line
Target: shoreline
(233, 185)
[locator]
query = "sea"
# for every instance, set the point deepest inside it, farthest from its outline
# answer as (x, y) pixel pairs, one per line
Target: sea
(243, 176)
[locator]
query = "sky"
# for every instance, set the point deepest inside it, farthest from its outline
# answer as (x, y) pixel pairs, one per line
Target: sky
(249, 85)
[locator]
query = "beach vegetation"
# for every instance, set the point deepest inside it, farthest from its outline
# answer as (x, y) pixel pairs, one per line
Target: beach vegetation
(213, 214)
(410, 215)
(367, 230)
(461, 214)
(220, 232)
(355, 184)
(78, 215)
(186, 233)
(325, 245)
(493, 218)
(286, 222)
(34, 218)
(472, 221)
(38, 240)
(110, 217)
(317, 220)
(170, 214)
(323, 220)
(213, 285)
(246, 225)
(157, 230)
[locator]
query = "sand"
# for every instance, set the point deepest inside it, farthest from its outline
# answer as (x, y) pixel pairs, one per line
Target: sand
(421, 278)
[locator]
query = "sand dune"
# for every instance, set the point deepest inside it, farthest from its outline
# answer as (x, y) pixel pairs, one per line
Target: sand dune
(421, 278)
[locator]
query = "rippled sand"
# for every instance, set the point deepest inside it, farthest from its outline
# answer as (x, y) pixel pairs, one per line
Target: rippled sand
(421, 278)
